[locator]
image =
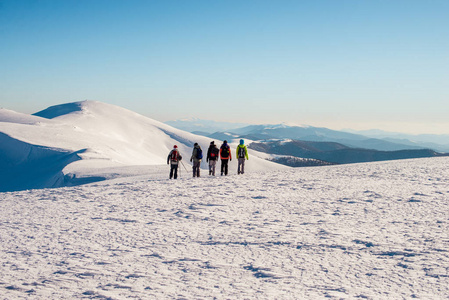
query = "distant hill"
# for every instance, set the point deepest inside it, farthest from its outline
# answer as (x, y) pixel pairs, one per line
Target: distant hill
(297, 162)
(312, 134)
(225, 130)
(439, 142)
(203, 126)
(336, 153)
(300, 146)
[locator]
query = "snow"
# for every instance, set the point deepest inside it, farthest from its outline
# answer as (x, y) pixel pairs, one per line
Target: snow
(284, 125)
(374, 231)
(10, 116)
(119, 229)
(209, 126)
(89, 136)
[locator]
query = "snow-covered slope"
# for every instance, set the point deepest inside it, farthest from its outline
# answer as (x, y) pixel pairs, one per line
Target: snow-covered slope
(10, 116)
(83, 137)
(362, 231)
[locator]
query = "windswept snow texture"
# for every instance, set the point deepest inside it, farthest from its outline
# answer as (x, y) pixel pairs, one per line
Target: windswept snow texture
(369, 231)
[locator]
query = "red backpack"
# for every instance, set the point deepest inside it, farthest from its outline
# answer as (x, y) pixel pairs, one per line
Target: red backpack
(174, 155)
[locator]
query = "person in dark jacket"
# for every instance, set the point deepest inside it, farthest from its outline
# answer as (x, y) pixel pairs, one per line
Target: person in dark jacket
(174, 157)
(197, 155)
(212, 156)
(225, 155)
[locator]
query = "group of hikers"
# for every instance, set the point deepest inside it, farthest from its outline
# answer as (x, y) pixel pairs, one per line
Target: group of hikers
(213, 154)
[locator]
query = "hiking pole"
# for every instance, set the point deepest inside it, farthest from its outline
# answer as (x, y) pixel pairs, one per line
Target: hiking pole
(184, 167)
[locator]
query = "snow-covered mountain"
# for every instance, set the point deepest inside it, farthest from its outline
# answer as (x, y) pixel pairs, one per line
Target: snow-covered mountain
(79, 142)
(370, 140)
(439, 142)
(335, 153)
(205, 126)
(319, 134)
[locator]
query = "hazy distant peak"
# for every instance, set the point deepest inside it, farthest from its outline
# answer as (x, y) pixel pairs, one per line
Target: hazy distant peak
(209, 126)
(189, 119)
(284, 125)
(291, 124)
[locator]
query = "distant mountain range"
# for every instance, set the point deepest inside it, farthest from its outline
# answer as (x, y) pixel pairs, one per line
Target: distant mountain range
(371, 139)
(320, 146)
(204, 127)
(438, 142)
(335, 153)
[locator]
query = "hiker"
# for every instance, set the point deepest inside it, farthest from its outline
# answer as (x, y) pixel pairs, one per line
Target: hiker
(225, 155)
(212, 156)
(197, 156)
(174, 157)
(241, 154)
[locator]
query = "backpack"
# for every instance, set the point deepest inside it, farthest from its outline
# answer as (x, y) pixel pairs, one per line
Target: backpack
(214, 152)
(199, 153)
(241, 152)
(225, 151)
(174, 155)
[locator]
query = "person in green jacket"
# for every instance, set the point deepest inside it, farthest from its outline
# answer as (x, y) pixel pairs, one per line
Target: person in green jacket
(242, 154)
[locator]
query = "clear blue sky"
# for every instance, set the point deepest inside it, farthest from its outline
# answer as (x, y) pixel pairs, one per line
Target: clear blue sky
(339, 64)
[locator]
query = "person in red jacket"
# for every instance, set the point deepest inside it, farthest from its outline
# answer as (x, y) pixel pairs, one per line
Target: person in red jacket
(174, 157)
(225, 155)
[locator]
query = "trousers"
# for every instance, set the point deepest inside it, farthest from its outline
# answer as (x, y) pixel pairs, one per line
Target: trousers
(196, 168)
(173, 171)
(224, 166)
(212, 164)
(241, 166)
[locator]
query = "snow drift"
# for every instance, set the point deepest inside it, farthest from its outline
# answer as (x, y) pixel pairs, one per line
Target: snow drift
(63, 143)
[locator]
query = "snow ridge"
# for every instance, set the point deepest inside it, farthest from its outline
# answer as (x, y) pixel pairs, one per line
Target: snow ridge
(60, 110)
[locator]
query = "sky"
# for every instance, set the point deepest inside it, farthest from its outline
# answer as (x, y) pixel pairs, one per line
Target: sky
(331, 63)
